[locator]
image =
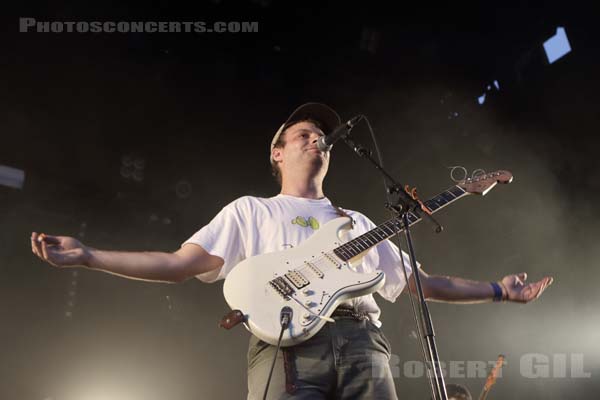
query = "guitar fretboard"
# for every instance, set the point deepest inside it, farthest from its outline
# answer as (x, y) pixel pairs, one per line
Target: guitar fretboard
(393, 226)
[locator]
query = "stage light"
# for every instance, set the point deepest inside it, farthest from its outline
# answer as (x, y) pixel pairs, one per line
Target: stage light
(139, 163)
(557, 46)
(369, 40)
(138, 175)
(127, 160)
(126, 171)
(12, 177)
(488, 88)
(132, 168)
(183, 189)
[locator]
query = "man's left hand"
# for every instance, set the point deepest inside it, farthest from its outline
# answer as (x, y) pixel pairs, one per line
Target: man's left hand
(518, 291)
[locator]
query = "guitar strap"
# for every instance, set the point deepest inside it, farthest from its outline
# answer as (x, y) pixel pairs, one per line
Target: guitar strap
(289, 367)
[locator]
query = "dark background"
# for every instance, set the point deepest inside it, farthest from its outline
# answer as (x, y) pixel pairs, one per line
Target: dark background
(202, 108)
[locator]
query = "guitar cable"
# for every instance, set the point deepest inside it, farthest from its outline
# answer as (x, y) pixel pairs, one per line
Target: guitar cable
(285, 319)
(314, 314)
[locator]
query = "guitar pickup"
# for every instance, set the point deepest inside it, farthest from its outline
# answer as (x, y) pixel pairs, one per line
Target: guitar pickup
(297, 279)
(314, 269)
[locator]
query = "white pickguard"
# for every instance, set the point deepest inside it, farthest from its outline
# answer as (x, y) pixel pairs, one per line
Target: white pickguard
(331, 281)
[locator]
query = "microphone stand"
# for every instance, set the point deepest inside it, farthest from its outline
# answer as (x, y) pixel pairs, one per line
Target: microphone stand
(405, 205)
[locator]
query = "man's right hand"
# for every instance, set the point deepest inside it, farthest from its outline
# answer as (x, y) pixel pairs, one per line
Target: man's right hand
(188, 261)
(59, 251)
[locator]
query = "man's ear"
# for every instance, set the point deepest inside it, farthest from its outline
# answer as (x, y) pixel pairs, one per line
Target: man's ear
(276, 154)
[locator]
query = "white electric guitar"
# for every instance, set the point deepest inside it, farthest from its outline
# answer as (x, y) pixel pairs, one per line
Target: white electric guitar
(315, 277)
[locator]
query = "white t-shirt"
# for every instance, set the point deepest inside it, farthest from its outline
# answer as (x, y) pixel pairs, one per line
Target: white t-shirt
(251, 226)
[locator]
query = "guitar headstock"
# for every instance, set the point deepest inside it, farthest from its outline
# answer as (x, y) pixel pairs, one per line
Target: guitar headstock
(484, 183)
(491, 379)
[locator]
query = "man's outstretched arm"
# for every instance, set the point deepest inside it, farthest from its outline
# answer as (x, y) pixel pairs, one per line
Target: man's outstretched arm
(64, 251)
(460, 290)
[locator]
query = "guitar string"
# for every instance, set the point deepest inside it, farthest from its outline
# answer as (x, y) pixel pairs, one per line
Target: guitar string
(350, 248)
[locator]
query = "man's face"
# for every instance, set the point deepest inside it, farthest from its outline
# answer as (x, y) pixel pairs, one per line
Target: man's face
(300, 149)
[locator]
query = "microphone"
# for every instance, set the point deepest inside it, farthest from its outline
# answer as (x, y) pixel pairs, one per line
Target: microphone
(325, 143)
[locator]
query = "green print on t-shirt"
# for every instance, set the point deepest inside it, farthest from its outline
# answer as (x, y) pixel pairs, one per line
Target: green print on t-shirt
(311, 221)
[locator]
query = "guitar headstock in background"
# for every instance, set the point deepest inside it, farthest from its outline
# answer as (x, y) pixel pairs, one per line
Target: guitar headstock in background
(491, 379)
(484, 183)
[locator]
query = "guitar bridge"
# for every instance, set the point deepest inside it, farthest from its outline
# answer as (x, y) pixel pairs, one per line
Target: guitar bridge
(282, 287)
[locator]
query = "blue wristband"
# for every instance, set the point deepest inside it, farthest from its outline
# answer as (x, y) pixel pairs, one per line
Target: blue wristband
(497, 291)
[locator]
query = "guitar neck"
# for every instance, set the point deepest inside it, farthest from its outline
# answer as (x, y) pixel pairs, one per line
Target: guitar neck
(393, 226)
